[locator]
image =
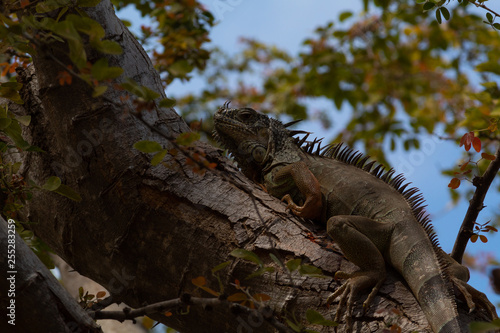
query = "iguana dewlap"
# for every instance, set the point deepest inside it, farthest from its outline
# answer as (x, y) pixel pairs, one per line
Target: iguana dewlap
(370, 213)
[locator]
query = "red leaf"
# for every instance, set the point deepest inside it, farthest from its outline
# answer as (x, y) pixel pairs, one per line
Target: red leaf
(483, 238)
(454, 183)
(466, 140)
(473, 238)
(488, 156)
(476, 143)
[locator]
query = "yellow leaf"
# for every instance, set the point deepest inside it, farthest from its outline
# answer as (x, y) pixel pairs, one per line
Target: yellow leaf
(238, 297)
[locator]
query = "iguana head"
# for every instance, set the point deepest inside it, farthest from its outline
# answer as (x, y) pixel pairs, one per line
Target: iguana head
(251, 137)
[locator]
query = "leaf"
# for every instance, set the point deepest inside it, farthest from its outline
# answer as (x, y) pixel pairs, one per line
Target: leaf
(52, 183)
(487, 156)
(101, 71)
(344, 16)
(259, 272)
(438, 15)
(428, 5)
(262, 297)
(167, 103)
(99, 90)
(108, 47)
(88, 3)
(25, 120)
(247, 255)
(237, 297)
(276, 260)
(476, 143)
(484, 327)
(483, 238)
(220, 266)
(293, 264)
(454, 183)
(489, 66)
(187, 138)
(489, 16)
(101, 294)
(5, 122)
(146, 146)
(68, 192)
(445, 12)
(158, 157)
(199, 281)
(10, 90)
(310, 270)
(315, 317)
(473, 238)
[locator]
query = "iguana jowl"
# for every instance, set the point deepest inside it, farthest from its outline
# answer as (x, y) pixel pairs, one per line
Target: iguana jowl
(370, 213)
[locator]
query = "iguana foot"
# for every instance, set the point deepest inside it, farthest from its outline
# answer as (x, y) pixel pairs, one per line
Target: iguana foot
(473, 297)
(355, 285)
(311, 209)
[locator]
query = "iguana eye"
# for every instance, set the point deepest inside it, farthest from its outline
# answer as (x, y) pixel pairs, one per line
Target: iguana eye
(245, 115)
(258, 154)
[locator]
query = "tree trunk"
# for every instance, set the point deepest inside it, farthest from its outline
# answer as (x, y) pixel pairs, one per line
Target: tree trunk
(145, 232)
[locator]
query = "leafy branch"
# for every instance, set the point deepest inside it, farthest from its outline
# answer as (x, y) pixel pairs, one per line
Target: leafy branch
(482, 184)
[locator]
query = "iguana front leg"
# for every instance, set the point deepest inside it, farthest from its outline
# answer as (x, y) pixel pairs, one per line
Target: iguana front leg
(307, 184)
(350, 233)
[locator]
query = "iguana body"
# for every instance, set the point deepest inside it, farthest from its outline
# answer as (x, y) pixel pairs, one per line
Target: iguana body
(370, 214)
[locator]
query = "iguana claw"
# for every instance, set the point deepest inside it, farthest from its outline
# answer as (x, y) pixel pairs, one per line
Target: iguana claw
(355, 285)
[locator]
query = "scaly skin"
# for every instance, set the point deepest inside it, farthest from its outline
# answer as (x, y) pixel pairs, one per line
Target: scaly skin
(369, 213)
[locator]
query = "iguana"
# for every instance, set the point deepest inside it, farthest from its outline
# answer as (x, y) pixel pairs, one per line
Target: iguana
(370, 213)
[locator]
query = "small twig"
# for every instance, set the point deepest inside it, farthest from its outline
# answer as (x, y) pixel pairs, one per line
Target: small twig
(130, 314)
(476, 205)
(483, 6)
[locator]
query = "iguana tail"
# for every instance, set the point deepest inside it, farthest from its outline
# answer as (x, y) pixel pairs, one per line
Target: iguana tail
(415, 256)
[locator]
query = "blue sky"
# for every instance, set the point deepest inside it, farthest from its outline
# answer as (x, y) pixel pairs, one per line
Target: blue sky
(286, 24)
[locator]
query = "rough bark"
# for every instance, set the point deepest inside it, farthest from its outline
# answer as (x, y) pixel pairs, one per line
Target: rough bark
(144, 232)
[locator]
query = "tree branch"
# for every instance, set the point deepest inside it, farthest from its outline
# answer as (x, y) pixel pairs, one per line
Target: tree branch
(476, 205)
(263, 312)
(484, 7)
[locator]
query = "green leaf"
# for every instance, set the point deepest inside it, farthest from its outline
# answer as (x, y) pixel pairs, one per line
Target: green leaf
(247, 255)
(220, 266)
(438, 16)
(146, 146)
(489, 16)
(167, 103)
(293, 264)
(10, 90)
(428, 5)
(88, 3)
(99, 90)
(315, 317)
(489, 66)
(187, 138)
(13, 131)
(108, 47)
(483, 327)
(25, 120)
(344, 16)
(101, 71)
(445, 12)
(158, 157)
(496, 26)
(310, 270)
(276, 260)
(52, 183)
(4, 123)
(259, 272)
(68, 192)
